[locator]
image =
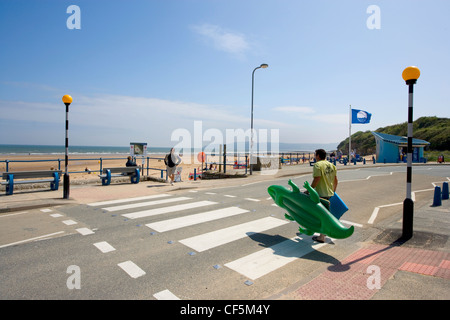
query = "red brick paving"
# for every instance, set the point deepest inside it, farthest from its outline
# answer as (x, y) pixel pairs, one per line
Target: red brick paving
(418, 268)
(349, 280)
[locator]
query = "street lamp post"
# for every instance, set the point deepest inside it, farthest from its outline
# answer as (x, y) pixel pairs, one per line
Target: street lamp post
(410, 75)
(264, 65)
(67, 101)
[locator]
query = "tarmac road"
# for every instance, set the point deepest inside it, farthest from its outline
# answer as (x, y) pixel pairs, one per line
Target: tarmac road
(232, 243)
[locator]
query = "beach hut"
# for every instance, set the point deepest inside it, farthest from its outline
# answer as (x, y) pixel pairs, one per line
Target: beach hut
(393, 149)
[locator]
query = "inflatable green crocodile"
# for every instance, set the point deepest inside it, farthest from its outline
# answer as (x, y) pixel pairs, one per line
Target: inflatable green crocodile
(308, 211)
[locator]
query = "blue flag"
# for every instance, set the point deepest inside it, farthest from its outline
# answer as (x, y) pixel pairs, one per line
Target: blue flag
(360, 116)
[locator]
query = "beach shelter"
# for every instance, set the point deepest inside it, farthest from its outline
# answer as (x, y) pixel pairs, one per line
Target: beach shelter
(393, 149)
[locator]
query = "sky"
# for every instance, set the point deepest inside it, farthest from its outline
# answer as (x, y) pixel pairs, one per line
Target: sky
(148, 70)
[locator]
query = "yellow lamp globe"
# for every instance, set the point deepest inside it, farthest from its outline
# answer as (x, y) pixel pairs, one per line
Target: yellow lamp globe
(67, 99)
(411, 73)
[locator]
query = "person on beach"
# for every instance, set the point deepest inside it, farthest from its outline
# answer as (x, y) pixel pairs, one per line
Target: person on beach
(324, 181)
(130, 162)
(172, 160)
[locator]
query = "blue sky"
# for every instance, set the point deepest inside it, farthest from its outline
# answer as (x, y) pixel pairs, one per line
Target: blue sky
(139, 70)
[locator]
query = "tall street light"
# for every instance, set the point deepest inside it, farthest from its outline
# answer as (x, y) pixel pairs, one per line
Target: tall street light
(264, 65)
(67, 101)
(410, 75)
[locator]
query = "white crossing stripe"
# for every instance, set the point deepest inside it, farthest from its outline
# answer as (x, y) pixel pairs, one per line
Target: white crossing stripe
(251, 199)
(165, 295)
(132, 269)
(56, 215)
(144, 204)
(179, 207)
(216, 238)
(262, 262)
(104, 246)
(177, 223)
(104, 203)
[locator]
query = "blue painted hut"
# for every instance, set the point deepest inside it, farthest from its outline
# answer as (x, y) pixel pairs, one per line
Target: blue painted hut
(393, 149)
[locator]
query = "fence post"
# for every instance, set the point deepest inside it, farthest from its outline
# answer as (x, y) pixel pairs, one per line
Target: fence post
(246, 164)
(224, 158)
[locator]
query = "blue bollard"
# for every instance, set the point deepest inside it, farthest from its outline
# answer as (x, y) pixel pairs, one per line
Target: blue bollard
(445, 191)
(437, 201)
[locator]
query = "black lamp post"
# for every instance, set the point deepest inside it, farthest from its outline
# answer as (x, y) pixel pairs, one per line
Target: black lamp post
(410, 75)
(264, 65)
(67, 101)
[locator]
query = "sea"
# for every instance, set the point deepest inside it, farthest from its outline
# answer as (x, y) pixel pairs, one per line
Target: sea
(19, 149)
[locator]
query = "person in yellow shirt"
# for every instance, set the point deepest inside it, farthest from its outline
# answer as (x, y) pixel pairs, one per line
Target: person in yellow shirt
(324, 181)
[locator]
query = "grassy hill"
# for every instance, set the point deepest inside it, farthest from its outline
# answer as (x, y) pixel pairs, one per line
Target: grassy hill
(432, 129)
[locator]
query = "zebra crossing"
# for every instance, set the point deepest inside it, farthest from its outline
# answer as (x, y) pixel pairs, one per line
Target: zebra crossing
(193, 212)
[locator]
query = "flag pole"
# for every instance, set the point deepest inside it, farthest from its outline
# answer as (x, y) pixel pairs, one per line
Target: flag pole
(350, 134)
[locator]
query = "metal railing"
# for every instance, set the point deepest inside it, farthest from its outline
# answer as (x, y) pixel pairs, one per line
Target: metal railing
(99, 160)
(240, 161)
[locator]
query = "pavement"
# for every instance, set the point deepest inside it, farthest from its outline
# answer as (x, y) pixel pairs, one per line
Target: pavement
(384, 266)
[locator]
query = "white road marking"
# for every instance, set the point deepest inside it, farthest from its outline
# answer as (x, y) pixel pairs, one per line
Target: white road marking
(132, 269)
(31, 239)
(262, 262)
(104, 203)
(352, 223)
(84, 231)
(165, 295)
(251, 199)
(144, 204)
(180, 207)
(104, 246)
(12, 214)
(69, 222)
(375, 211)
(177, 223)
(219, 237)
